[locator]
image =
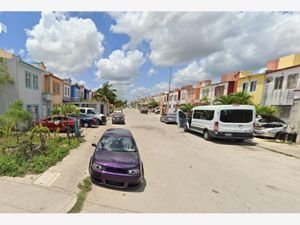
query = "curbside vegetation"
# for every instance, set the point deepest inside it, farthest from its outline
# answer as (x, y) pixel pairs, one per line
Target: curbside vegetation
(85, 186)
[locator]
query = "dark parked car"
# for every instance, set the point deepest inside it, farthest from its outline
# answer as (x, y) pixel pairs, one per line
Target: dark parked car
(118, 118)
(269, 126)
(168, 118)
(86, 120)
(116, 161)
(55, 123)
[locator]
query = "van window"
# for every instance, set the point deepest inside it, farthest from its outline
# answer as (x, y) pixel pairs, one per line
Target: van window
(236, 116)
(82, 110)
(207, 114)
(197, 114)
(89, 111)
(204, 114)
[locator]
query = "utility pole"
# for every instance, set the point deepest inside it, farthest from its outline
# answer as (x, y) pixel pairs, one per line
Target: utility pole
(170, 76)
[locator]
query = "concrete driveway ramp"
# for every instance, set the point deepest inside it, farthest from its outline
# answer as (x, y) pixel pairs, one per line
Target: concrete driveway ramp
(47, 178)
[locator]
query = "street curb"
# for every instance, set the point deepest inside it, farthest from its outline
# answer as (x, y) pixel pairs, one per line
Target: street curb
(280, 152)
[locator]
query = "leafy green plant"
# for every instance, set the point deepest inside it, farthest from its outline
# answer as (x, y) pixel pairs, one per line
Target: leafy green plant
(241, 98)
(263, 110)
(17, 115)
(186, 107)
(5, 77)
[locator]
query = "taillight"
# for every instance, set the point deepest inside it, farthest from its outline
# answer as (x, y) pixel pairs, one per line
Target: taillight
(216, 127)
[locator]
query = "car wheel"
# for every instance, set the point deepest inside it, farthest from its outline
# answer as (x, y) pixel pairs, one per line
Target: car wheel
(206, 135)
(99, 122)
(86, 125)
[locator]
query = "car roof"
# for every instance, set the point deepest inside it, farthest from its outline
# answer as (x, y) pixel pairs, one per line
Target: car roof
(215, 107)
(118, 131)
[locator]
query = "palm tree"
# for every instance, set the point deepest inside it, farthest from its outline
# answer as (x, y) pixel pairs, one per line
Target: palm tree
(241, 98)
(106, 93)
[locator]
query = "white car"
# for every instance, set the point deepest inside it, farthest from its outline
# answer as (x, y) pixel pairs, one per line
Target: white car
(101, 118)
(220, 121)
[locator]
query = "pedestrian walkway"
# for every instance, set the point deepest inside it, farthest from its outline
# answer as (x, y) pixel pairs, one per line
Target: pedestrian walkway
(282, 148)
(54, 190)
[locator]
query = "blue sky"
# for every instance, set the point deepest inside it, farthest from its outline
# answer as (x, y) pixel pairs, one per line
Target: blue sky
(122, 48)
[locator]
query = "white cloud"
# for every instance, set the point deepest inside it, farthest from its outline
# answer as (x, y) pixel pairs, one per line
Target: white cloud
(152, 72)
(120, 69)
(10, 50)
(212, 43)
(21, 52)
(81, 82)
(143, 91)
(68, 45)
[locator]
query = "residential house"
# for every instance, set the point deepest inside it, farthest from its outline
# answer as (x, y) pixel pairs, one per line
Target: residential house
(254, 85)
(27, 86)
(67, 90)
(185, 90)
(222, 88)
(198, 89)
(283, 62)
(163, 102)
(87, 94)
(281, 88)
(75, 93)
(54, 86)
(81, 88)
(174, 100)
(233, 77)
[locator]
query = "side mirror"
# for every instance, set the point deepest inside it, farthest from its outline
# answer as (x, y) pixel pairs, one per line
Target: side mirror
(94, 145)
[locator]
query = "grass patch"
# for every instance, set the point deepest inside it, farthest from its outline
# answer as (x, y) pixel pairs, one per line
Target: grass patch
(85, 186)
(14, 164)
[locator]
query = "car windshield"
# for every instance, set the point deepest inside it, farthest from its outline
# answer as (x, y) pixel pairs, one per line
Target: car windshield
(271, 119)
(118, 114)
(116, 144)
(236, 116)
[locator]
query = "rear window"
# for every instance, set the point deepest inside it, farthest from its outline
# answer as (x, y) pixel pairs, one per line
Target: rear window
(236, 116)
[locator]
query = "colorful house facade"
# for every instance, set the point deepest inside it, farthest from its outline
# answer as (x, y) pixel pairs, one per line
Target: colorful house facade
(67, 90)
(75, 93)
(254, 85)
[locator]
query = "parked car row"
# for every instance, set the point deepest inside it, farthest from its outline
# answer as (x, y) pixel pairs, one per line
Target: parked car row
(238, 122)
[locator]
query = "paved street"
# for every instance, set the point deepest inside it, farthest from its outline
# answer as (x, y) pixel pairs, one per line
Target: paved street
(185, 173)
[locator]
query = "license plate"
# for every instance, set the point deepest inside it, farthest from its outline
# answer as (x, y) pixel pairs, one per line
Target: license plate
(228, 135)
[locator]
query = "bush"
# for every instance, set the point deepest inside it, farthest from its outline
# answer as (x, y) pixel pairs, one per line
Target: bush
(18, 163)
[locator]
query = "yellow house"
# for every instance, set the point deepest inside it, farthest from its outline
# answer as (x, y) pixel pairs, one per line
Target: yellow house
(288, 61)
(253, 84)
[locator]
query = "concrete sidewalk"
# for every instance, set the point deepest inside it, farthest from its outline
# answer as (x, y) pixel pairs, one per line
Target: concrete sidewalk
(54, 190)
(282, 148)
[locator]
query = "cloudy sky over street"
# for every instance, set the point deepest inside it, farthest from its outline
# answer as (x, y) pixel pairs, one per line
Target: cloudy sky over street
(134, 51)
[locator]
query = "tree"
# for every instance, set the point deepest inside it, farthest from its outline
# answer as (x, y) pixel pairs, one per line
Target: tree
(241, 98)
(153, 103)
(4, 74)
(106, 93)
(186, 107)
(119, 103)
(65, 110)
(263, 110)
(17, 115)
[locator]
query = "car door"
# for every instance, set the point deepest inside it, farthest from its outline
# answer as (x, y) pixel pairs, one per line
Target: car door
(180, 118)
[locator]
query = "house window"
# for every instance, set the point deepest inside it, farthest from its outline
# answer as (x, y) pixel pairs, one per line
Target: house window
(245, 87)
(253, 84)
(219, 91)
(278, 82)
(292, 81)
(54, 88)
(66, 91)
(28, 80)
(35, 81)
(205, 92)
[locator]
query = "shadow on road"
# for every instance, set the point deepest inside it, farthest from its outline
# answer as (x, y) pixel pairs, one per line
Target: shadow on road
(248, 142)
(137, 188)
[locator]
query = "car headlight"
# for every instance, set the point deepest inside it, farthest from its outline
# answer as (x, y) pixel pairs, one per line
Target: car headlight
(97, 166)
(134, 171)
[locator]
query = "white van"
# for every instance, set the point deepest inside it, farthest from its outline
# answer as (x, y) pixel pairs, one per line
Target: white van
(101, 119)
(219, 121)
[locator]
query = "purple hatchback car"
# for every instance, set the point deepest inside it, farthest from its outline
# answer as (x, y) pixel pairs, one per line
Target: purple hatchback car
(116, 161)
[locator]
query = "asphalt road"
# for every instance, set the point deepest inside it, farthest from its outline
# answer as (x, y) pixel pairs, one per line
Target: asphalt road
(185, 173)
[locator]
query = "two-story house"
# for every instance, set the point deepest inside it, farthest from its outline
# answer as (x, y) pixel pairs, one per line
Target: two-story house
(75, 92)
(27, 85)
(67, 90)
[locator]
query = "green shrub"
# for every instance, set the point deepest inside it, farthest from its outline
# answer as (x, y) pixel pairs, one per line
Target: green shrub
(18, 163)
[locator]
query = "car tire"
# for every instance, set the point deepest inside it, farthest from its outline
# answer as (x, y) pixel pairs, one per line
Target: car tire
(86, 125)
(206, 135)
(99, 122)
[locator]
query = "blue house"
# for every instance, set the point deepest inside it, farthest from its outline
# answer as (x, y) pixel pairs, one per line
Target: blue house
(75, 92)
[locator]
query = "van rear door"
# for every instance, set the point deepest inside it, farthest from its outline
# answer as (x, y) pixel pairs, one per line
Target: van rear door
(236, 120)
(180, 118)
